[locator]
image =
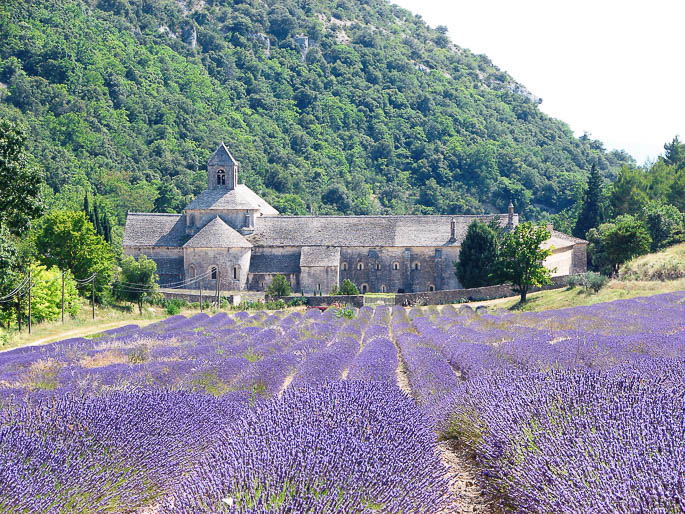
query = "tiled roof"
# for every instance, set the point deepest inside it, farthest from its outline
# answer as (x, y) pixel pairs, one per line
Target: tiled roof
(275, 263)
(568, 237)
(369, 231)
(242, 197)
(216, 234)
(222, 155)
(320, 256)
(155, 230)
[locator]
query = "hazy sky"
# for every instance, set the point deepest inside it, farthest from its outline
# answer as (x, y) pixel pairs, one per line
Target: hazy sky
(615, 69)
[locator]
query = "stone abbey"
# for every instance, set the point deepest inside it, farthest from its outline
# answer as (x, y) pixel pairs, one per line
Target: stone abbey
(231, 235)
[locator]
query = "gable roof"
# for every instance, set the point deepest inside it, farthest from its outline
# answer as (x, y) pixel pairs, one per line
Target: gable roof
(153, 229)
(222, 155)
(223, 198)
(216, 234)
(365, 231)
(275, 263)
(320, 256)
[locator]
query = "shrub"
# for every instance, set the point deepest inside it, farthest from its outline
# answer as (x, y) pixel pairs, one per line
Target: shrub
(172, 309)
(279, 286)
(594, 281)
(347, 288)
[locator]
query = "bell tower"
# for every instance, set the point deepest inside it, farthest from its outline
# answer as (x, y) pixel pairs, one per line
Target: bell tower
(222, 169)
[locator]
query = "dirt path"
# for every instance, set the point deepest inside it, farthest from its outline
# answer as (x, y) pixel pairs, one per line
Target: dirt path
(461, 475)
(83, 331)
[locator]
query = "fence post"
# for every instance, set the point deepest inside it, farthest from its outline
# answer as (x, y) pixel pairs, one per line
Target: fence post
(92, 295)
(201, 296)
(218, 290)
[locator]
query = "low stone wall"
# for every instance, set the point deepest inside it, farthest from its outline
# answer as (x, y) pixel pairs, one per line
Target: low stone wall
(475, 294)
(318, 301)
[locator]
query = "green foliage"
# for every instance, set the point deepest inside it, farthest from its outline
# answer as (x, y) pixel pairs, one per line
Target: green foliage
(20, 180)
(393, 121)
(347, 288)
(137, 280)
(345, 312)
(612, 244)
(590, 212)
(590, 281)
(66, 239)
(46, 295)
(665, 223)
(477, 255)
(521, 256)
(172, 309)
(629, 192)
(10, 276)
(279, 286)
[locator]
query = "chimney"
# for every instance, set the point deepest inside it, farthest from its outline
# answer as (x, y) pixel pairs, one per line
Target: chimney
(510, 221)
(453, 230)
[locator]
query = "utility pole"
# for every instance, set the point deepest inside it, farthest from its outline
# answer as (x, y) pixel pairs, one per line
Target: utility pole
(92, 295)
(30, 284)
(218, 290)
(63, 296)
(201, 310)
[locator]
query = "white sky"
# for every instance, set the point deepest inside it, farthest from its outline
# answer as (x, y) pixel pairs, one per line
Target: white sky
(615, 69)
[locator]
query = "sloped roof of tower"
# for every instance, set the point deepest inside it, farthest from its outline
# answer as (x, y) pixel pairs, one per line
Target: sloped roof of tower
(216, 234)
(223, 198)
(222, 155)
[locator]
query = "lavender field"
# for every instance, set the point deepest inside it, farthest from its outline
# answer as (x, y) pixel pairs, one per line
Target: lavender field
(575, 410)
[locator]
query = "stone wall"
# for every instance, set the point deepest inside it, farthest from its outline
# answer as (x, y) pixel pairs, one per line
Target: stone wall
(262, 281)
(395, 270)
(579, 259)
(472, 295)
(228, 261)
(318, 279)
(318, 301)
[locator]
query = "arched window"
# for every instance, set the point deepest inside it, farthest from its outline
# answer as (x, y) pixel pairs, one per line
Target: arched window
(235, 272)
(360, 265)
(191, 271)
(220, 177)
(344, 266)
(431, 287)
(214, 272)
(417, 266)
(378, 266)
(384, 289)
(395, 266)
(365, 288)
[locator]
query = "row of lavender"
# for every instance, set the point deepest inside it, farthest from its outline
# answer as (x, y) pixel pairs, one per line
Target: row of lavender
(576, 410)
(210, 414)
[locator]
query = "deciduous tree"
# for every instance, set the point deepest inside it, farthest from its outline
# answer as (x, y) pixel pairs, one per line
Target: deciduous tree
(137, 280)
(279, 286)
(521, 256)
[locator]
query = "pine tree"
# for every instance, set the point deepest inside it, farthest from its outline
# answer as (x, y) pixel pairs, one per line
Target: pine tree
(477, 255)
(589, 216)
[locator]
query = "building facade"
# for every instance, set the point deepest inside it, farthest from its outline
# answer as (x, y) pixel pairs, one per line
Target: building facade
(230, 237)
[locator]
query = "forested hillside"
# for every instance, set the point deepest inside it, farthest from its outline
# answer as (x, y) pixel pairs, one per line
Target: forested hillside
(347, 106)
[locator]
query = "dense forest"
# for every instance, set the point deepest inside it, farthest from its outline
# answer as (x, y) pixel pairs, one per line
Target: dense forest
(331, 107)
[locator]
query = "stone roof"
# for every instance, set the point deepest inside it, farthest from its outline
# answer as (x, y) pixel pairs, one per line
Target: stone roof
(151, 229)
(320, 256)
(216, 234)
(275, 263)
(366, 231)
(223, 198)
(222, 155)
(568, 237)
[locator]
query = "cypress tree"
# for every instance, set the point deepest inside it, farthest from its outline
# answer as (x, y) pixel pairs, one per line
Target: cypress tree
(589, 216)
(86, 207)
(477, 255)
(96, 218)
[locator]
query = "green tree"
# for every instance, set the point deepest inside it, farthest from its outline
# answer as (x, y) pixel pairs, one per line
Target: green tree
(20, 180)
(279, 286)
(665, 223)
(589, 216)
(136, 281)
(347, 288)
(477, 255)
(169, 198)
(521, 256)
(66, 239)
(674, 153)
(10, 276)
(46, 294)
(629, 192)
(612, 244)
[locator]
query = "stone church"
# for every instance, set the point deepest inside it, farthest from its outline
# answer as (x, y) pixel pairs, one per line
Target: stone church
(231, 235)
